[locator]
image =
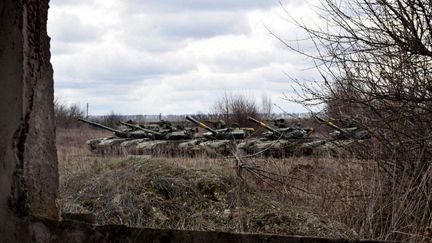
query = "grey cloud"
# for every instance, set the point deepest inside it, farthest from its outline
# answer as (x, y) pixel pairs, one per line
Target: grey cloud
(113, 66)
(63, 48)
(268, 77)
(66, 83)
(212, 5)
(238, 61)
(140, 40)
(54, 3)
(141, 65)
(102, 98)
(270, 65)
(201, 24)
(69, 28)
(167, 32)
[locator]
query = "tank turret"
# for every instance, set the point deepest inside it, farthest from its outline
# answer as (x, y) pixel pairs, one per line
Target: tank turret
(223, 133)
(351, 132)
(149, 132)
(118, 133)
(282, 133)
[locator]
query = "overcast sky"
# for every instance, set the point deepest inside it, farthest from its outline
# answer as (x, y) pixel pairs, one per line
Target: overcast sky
(173, 56)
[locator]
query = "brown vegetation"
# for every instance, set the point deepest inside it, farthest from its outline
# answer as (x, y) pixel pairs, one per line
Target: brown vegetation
(168, 194)
(309, 196)
(72, 152)
(235, 108)
(66, 116)
(375, 59)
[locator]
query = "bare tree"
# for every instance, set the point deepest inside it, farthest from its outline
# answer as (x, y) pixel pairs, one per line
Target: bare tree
(66, 116)
(112, 120)
(266, 106)
(234, 109)
(375, 58)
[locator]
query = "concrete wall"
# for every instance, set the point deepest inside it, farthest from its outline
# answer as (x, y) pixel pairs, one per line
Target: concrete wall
(69, 232)
(10, 70)
(28, 162)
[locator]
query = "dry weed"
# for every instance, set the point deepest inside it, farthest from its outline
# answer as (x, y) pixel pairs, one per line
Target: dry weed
(148, 192)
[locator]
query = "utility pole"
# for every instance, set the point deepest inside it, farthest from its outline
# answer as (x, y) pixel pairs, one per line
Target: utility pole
(87, 109)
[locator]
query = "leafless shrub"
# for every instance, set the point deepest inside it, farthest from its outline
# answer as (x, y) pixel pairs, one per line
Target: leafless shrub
(66, 116)
(112, 120)
(266, 107)
(235, 108)
(375, 59)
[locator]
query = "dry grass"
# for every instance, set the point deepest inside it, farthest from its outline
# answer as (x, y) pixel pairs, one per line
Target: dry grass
(163, 194)
(356, 193)
(288, 193)
(72, 151)
(183, 193)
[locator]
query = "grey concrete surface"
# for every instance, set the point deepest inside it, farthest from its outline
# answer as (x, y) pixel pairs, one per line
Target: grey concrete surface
(28, 162)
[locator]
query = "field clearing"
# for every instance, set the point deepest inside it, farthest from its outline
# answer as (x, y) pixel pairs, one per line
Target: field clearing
(298, 195)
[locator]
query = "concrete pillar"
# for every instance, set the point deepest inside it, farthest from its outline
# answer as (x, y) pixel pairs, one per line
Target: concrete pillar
(28, 160)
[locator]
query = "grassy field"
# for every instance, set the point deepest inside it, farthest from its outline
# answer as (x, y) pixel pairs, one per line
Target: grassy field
(301, 195)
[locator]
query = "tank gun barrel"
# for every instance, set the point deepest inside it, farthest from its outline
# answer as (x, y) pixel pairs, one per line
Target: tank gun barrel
(330, 124)
(262, 124)
(202, 125)
(95, 124)
(141, 128)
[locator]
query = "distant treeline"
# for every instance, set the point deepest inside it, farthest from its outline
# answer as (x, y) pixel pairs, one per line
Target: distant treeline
(232, 109)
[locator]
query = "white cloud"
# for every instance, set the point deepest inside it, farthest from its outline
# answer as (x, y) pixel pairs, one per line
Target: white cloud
(174, 56)
(79, 32)
(187, 5)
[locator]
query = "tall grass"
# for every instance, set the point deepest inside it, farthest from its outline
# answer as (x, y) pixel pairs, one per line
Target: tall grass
(72, 150)
(354, 192)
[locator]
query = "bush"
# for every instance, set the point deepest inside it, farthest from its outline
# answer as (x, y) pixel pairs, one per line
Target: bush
(66, 116)
(375, 61)
(234, 109)
(111, 120)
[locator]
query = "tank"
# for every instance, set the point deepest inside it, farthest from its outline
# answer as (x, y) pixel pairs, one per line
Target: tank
(281, 141)
(343, 140)
(112, 144)
(346, 133)
(216, 141)
(162, 139)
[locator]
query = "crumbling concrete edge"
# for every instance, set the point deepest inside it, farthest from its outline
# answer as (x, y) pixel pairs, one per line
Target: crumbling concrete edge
(74, 231)
(35, 179)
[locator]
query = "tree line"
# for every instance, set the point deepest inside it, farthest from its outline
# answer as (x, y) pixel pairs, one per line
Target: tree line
(232, 108)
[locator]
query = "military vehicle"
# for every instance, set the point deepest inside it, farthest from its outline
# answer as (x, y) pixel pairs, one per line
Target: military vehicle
(342, 141)
(162, 138)
(112, 144)
(138, 140)
(351, 132)
(164, 141)
(281, 141)
(118, 133)
(221, 141)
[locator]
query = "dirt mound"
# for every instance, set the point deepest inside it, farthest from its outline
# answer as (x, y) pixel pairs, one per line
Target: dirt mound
(160, 194)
